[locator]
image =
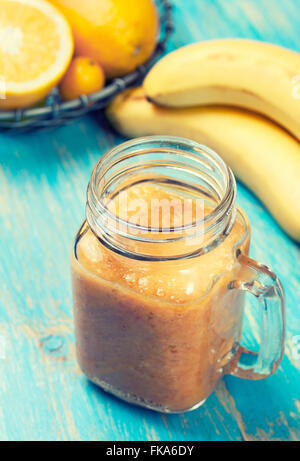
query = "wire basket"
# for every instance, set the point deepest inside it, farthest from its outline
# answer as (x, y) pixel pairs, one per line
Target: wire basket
(55, 112)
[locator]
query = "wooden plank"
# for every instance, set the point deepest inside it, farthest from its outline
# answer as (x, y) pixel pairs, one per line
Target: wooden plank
(43, 177)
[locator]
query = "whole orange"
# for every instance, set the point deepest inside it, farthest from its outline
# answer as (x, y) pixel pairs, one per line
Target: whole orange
(84, 76)
(119, 34)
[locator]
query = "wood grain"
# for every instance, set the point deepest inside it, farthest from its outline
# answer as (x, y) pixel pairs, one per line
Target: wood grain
(43, 177)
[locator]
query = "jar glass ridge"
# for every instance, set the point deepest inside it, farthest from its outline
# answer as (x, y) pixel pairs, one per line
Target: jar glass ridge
(162, 160)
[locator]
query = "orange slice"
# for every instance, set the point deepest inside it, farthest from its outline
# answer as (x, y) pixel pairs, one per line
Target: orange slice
(118, 34)
(36, 46)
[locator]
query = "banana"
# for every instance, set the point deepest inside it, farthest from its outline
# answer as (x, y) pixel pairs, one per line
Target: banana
(261, 154)
(253, 75)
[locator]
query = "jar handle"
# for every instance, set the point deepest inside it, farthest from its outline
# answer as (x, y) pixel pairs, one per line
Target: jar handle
(268, 290)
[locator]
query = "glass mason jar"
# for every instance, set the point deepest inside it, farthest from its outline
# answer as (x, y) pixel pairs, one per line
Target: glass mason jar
(159, 307)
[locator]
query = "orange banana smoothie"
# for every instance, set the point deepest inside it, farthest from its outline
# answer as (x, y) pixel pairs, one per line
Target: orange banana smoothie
(158, 332)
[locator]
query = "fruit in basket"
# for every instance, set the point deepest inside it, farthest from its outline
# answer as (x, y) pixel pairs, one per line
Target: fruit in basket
(263, 155)
(119, 34)
(250, 74)
(83, 77)
(36, 46)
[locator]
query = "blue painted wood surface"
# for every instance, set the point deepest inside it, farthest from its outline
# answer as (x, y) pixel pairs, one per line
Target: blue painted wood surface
(43, 176)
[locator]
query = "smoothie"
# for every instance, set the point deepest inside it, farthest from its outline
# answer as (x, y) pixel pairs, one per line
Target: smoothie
(160, 333)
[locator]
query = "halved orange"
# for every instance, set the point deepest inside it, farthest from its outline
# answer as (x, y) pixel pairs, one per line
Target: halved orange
(36, 46)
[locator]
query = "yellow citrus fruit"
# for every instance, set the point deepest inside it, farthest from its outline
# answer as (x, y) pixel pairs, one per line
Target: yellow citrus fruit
(84, 76)
(36, 46)
(119, 34)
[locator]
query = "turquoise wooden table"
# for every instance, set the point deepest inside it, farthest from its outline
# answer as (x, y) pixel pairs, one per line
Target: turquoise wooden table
(43, 177)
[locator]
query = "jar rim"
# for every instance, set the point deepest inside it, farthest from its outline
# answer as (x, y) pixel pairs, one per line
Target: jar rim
(223, 211)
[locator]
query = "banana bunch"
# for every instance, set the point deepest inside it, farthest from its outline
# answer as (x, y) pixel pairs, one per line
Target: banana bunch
(219, 94)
